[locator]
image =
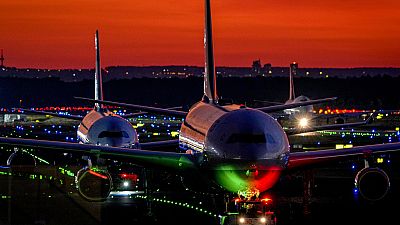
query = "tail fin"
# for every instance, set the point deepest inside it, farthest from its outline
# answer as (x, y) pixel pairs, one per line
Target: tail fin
(292, 72)
(98, 82)
(210, 79)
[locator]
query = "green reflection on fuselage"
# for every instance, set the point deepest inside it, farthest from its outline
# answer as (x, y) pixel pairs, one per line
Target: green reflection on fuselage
(231, 178)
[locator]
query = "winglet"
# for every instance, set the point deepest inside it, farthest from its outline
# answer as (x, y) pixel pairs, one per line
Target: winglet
(210, 79)
(98, 82)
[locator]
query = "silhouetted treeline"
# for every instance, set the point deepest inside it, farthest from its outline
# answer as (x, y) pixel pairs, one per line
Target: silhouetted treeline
(364, 93)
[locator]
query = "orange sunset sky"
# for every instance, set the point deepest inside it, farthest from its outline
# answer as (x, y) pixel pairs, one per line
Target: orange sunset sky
(336, 33)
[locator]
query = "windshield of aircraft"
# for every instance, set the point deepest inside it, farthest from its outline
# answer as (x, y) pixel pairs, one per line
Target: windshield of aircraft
(113, 134)
(246, 138)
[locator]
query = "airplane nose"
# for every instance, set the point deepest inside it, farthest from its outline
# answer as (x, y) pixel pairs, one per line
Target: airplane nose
(115, 141)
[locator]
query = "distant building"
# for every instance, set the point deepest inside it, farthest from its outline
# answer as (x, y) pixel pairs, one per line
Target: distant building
(267, 69)
(256, 68)
(11, 118)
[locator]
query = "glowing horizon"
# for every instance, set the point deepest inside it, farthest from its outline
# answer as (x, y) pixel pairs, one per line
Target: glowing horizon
(335, 34)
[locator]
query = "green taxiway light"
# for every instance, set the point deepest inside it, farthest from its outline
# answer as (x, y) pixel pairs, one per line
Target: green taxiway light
(180, 204)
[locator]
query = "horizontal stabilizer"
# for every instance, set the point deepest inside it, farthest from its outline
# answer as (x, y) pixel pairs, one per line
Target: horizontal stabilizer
(148, 109)
(157, 159)
(72, 117)
(275, 108)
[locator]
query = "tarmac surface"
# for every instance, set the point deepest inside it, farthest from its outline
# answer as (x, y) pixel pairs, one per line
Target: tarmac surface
(45, 196)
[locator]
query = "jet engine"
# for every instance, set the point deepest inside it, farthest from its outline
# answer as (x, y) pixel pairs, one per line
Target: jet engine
(21, 162)
(93, 184)
(340, 120)
(372, 183)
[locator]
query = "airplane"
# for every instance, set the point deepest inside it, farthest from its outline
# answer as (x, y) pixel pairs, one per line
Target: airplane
(292, 96)
(304, 115)
(100, 126)
(231, 148)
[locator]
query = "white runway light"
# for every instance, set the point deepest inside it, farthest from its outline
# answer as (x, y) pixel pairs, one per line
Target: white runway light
(303, 122)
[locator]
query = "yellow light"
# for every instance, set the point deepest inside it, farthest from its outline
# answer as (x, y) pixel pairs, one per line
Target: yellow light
(174, 133)
(339, 146)
(379, 160)
(397, 128)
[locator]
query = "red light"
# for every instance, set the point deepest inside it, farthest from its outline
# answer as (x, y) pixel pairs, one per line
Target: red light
(132, 177)
(266, 200)
(97, 174)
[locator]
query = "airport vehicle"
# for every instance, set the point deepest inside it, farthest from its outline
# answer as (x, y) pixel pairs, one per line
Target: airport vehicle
(230, 148)
(249, 211)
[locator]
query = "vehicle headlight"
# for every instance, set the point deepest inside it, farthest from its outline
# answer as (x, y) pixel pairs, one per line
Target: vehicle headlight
(241, 220)
(263, 220)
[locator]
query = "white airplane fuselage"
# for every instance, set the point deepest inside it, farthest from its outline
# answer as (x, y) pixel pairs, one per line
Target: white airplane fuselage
(299, 111)
(107, 129)
(244, 149)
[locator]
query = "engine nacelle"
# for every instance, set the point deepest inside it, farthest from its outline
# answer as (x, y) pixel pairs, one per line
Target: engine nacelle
(21, 162)
(93, 184)
(372, 183)
(339, 120)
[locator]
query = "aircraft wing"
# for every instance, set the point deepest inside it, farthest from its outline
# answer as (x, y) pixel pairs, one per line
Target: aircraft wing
(268, 102)
(148, 109)
(300, 130)
(73, 117)
(146, 158)
(309, 158)
(130, 115)
(156, 144)
(275, 108)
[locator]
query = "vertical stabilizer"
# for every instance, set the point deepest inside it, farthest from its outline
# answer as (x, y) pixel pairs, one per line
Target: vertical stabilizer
(292, 73)
(98, 82)
(210, 79)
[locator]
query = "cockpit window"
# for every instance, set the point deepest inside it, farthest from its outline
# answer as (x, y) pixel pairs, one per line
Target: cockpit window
(246, 138)
(113, 134)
